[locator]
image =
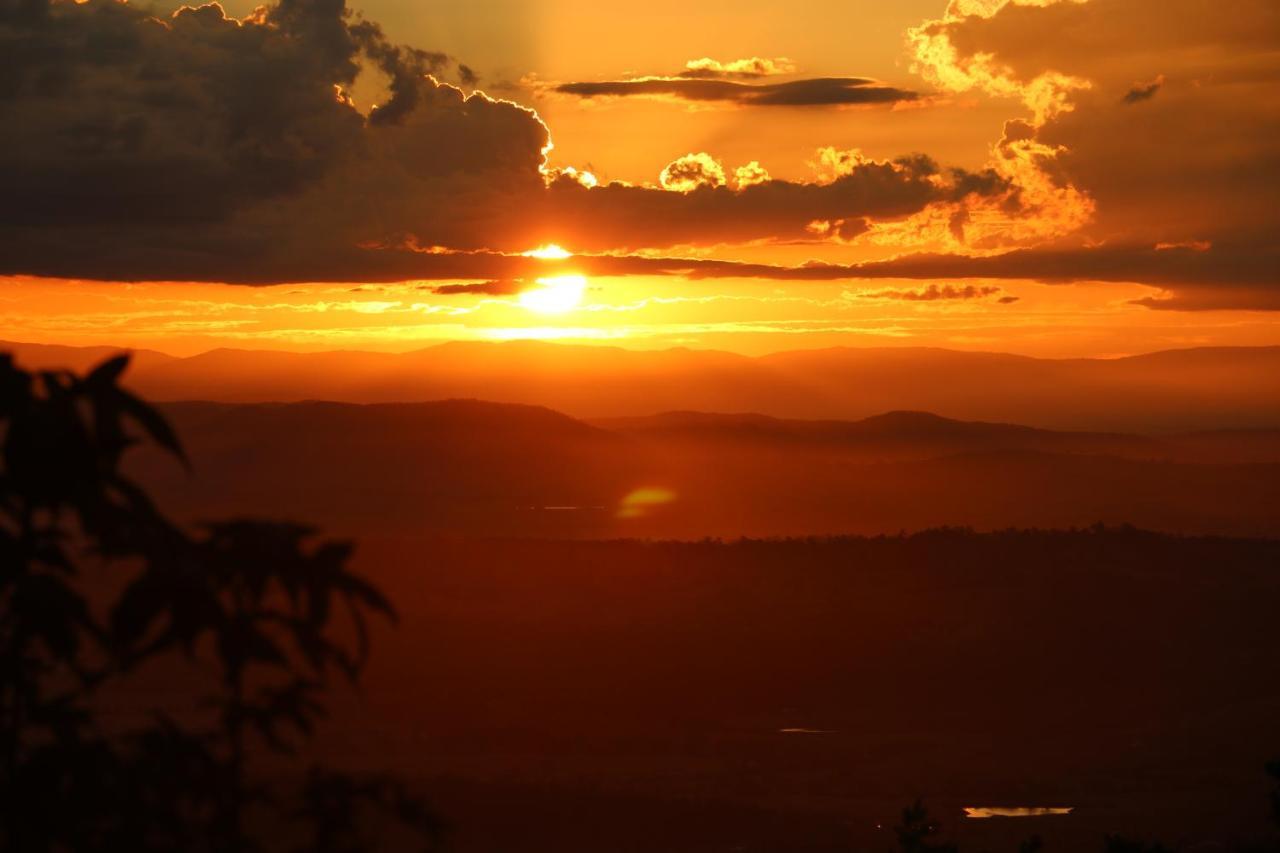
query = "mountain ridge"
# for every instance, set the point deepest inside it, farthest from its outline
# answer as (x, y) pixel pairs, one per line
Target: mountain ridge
(1170, 391)
(469, 467)
(11, 345)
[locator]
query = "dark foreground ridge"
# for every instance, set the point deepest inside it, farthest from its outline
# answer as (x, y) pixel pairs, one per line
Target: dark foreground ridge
(167, 687)
(793, 694)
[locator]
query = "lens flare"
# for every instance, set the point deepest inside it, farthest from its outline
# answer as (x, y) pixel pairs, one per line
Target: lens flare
(642, 501)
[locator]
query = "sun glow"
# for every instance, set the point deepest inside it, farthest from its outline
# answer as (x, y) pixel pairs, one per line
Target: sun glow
(549, 252)
(555, 295)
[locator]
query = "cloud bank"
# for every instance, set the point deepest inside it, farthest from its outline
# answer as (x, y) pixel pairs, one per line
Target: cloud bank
(1187, 158)
(202, 147)
(206, 148)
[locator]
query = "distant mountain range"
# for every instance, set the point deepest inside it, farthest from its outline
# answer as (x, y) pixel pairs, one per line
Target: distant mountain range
(880, 438)
(1171, 391)
(490, 469)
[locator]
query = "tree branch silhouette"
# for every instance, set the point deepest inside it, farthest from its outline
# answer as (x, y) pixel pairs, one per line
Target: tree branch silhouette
(255, 598)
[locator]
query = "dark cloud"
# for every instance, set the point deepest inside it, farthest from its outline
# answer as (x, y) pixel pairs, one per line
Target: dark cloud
(617, 217)
(387, 229)
(1115, 39)
(1197, 278)
(1219, 278)
(497, 287)
(934, 293)
(113, 115)
(1240, 276)
(197, 147)
(1143, 91)
(1182, 165)
(816, 92)
(1214, 298)
(200, 147)
(1169, 267)
(711, 81)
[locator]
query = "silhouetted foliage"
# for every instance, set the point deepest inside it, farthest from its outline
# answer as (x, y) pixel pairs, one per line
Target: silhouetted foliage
(1117, 844)
(62, 496)
(917, 830)
(1034, 844)
(332, 803)
(1273, 770)
(253, 598)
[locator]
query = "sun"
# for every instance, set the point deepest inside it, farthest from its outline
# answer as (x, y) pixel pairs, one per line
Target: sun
(555, 295)
(549, 252)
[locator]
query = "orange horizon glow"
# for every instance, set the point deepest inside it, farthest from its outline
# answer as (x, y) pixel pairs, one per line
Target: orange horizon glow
(1077, 321)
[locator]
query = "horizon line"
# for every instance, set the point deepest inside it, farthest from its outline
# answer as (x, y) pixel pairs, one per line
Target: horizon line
(6, 343)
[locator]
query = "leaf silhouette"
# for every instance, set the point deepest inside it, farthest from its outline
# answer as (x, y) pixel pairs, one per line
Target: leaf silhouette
(249, 602)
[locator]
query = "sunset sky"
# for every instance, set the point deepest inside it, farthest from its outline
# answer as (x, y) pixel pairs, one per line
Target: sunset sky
(1052, 178)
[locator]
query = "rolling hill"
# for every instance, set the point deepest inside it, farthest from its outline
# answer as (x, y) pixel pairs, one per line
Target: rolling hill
(1173, 391)
(489, 469)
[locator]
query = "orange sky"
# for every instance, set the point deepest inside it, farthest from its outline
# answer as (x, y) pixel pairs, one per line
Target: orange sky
(745, 316)
(1096, 177)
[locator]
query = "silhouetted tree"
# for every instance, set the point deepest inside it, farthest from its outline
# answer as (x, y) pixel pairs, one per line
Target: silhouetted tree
(1273, 770)
(251, 596)
(1034, 844)
(332, 803)
(62, 496)
(916, 831)
(264, 603)
(1117, 844)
